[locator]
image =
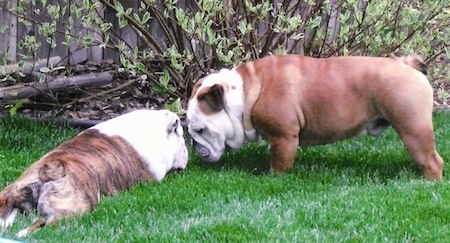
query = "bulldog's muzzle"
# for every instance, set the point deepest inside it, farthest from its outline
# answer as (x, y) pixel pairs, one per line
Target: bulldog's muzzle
(201, 150)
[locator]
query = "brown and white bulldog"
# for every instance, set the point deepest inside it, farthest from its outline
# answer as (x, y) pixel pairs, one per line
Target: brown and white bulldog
(293, 100)
(142, 145)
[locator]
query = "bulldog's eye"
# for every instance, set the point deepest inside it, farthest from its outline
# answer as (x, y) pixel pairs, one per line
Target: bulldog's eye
(199, 131)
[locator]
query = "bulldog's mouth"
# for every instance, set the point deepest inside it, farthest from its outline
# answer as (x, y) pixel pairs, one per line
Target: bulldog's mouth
(229, 148)
(201, 150)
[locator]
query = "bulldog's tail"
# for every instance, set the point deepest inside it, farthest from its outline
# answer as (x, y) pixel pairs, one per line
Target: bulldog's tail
(415, 62)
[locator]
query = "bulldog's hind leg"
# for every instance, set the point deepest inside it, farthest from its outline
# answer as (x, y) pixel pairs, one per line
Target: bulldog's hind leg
(14, 200)
(415, 128)
(410, 112)
(420, 144)
(54, 206)
(59, 197)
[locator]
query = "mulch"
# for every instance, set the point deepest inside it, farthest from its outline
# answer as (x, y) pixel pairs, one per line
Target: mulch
(123, 94)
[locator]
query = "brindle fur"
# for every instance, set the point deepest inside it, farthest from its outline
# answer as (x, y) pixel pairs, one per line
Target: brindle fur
(70, 179)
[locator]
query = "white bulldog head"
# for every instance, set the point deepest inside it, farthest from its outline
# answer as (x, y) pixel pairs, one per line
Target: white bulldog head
(157, 136)
(215, 114)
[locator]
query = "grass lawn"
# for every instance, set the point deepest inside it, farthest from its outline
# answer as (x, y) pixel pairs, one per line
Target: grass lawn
(364, 189)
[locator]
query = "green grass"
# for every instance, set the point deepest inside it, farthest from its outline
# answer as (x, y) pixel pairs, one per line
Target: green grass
(360, 190)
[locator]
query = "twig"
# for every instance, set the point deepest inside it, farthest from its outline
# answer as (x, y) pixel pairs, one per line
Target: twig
(30, 67)
(129, 82)
(26, 90)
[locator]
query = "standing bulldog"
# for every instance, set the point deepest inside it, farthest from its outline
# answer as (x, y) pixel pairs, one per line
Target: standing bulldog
(112, 156)
(294, 100)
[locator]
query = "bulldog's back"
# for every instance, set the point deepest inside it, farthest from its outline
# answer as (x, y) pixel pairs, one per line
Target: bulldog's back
(113, 155)
(329, 99)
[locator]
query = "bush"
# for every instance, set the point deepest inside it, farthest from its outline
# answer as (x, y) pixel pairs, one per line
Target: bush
(179, 41)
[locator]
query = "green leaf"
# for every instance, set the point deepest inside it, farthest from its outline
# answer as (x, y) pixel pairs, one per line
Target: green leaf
(141, 67)
(314, 23)
(146, 17)
(44, 70)
(158, 88)
(164, 79)
(175, 107)
(86, 4)
(297, 36)
(17, 105)
(243, 27)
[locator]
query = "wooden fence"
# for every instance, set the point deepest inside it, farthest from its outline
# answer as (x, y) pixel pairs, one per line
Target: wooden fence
(12, 31)
(76, 53)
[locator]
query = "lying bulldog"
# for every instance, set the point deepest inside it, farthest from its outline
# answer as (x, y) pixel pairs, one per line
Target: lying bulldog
(294, 100)
(112, 156)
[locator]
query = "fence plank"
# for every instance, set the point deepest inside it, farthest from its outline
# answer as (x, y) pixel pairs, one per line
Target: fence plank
(127, 34)
(95, 53)
(45, 50)
(8, 40)
(4, 37)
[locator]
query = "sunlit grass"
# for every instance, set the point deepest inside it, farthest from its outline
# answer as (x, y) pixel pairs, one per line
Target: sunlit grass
(364, 189)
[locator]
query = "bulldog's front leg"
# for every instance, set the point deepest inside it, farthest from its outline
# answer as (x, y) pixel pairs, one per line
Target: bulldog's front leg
(282, 152)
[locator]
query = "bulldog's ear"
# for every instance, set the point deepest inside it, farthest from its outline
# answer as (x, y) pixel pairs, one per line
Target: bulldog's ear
(197, 85)
(213, 97)
(172, 126)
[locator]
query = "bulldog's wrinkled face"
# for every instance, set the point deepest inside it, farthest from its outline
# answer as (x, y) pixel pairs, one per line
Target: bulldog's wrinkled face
(176, 141)
(209, 133)
(215, 114)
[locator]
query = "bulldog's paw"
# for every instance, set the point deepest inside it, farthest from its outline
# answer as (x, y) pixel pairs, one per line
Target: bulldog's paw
(23, 233)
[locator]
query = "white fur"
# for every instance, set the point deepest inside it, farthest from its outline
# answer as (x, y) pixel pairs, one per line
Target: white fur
(5, 223)
(148, 135)
(225, 127)
(23, 232)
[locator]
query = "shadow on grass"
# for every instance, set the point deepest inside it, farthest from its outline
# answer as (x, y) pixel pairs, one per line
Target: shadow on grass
(361, 157)
(382, 158)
